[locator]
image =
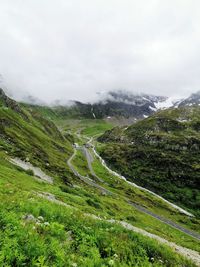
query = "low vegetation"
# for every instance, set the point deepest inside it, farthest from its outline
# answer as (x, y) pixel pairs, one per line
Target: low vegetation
(160, 153)
(45, 224)
(36, 232)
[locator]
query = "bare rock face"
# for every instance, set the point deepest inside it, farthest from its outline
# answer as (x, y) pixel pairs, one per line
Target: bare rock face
(29, 218)
(192, 100)
(2, 95)
(121, 103)
(10, 103)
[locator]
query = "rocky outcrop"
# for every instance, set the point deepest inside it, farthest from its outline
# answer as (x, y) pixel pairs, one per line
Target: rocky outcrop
(12, 104)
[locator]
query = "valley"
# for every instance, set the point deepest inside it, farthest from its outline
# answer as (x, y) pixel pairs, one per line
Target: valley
(99, 133)
(88, 215)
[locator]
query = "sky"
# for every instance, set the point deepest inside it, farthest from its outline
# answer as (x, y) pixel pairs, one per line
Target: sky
(72, 49)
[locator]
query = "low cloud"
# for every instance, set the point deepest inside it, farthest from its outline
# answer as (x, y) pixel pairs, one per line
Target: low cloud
(62, 50)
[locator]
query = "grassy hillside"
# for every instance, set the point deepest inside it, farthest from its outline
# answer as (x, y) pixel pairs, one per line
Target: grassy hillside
(44, 224)
(33, 138)
(116, 104)
(72, 118)
(160, 153)
(37, 232)
(73, 111)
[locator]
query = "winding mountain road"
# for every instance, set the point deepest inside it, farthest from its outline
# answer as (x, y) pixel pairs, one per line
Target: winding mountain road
(85, 179)
(164, 220)
(90, 159)
(136, 206)
(181, 210)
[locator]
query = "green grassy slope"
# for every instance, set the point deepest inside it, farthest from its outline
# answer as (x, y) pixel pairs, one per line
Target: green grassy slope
(56, 235)
(160, 153)
(73, 111)
(64, 236)
(30, 136)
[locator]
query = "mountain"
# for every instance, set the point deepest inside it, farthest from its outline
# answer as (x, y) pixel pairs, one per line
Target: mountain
(192, 100)
(111, 104)
(126, 104)
(138, 106)
(123, 105)
(28, 135)
(9, 103)
(60, 206)
(160, 153)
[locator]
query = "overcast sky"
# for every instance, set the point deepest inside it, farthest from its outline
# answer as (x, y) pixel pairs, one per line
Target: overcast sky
(71, 49)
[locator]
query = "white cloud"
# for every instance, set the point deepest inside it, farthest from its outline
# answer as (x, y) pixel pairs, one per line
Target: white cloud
(72, 49)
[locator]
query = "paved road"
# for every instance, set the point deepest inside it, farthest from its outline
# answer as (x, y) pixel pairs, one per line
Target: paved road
(144, 210)
(86, 179)
(140, 187)
(166, 221)
(90, 159)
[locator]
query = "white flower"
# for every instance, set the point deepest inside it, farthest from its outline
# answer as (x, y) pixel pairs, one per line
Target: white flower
(111, 262)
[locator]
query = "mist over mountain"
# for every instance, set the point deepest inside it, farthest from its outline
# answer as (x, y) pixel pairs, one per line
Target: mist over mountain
(121, 104)
(145, 46)
(51, 176)
(193, 99)
(127, 97)
(99, 133)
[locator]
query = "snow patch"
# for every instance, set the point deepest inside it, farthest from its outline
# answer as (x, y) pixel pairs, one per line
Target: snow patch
(152, 108)
(169, 102)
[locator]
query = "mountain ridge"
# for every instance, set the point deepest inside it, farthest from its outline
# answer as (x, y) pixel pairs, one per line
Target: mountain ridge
(111, 104)
(72, 217)
(160, 152)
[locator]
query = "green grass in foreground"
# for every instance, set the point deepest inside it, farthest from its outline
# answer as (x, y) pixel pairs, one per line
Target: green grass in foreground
(154, 204)
(64, 236)
(116, 206)
(17, 198)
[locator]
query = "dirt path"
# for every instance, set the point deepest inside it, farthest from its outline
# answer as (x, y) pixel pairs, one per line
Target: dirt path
(187, 253)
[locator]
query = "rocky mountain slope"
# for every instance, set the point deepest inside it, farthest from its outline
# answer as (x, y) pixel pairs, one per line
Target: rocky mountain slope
(192, 100)
(160, 153)
(114, 104)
